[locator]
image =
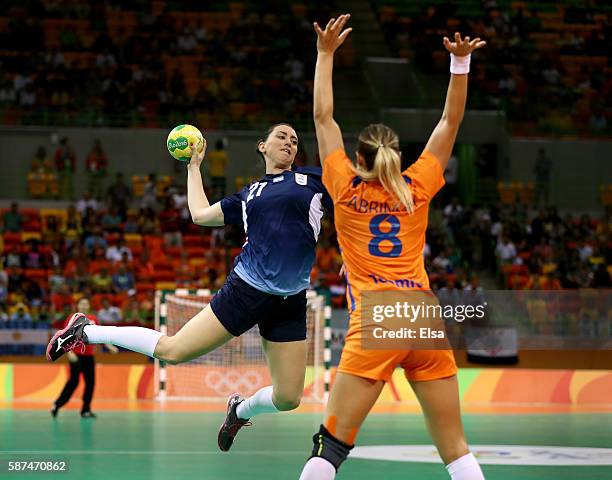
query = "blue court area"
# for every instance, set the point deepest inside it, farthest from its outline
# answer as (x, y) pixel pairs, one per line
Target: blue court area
(181, 445)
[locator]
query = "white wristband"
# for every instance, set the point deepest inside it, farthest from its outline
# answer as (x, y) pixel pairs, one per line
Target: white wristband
(460, 65)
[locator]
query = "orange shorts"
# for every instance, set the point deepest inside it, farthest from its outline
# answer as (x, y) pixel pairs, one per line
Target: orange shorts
(418, 365)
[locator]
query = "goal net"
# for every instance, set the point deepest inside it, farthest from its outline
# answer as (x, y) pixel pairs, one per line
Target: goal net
(239, 365)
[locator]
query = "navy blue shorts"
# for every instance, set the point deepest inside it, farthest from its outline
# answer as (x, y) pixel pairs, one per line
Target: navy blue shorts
(239, 307)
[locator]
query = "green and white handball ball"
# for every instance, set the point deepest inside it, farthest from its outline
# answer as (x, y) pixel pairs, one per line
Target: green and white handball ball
(179, 140)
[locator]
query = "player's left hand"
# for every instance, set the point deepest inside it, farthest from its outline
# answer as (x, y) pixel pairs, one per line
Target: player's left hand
(332, 37)
(197, 157)
(462, 47)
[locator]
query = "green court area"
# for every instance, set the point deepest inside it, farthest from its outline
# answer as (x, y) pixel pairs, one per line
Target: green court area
(171, 445)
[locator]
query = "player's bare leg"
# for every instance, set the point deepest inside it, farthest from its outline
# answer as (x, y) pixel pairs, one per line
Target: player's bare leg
(287, 365)
(199, 336)
(350, 401)
(439, 400)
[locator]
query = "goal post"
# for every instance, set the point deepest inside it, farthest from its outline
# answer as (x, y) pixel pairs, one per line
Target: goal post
(240, 364)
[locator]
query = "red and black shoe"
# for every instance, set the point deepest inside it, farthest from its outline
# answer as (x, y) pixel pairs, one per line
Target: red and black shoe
(232, 423)
(69, 338)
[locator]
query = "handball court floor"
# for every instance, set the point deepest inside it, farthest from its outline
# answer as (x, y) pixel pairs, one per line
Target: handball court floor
(147, 440)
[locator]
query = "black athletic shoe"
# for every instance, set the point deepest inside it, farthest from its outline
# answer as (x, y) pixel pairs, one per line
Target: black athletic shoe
(232, 423)
(69, 338)
(54, 411)
(88, 414)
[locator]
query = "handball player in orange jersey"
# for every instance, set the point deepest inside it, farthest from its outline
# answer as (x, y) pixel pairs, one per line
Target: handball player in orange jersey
(381, 217)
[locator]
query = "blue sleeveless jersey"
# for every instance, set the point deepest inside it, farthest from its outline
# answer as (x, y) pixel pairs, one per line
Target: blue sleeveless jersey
(281, 215)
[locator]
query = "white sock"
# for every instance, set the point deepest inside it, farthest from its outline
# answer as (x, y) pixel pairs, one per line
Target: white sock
(465, 468)
(137, 339)
(260, 402)
(318, 468)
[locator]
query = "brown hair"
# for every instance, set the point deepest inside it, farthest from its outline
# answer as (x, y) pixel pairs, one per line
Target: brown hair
(265, 138)
(379, 147)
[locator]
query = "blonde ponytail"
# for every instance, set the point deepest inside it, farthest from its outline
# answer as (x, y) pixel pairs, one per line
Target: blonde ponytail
(379, 146)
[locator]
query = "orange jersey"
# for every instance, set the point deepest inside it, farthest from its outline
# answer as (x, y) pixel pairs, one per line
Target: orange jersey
(382, 248)
(382, 244)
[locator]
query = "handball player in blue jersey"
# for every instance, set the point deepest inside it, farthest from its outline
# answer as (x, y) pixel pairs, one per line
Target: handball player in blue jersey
(281, 215)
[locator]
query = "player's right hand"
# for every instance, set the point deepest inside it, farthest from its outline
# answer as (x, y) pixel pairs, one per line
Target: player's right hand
(197, 157)
(332, 37)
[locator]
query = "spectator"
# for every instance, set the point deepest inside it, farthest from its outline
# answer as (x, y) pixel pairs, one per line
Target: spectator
(65, 165)
(4, 282)
(87, 202)
(123, 280)
(96, 165)
(119, 195)
(598, 122)
(4, 317)
(57, 279)
(13, 258)
(145, 268)
(453, 214)
(147, 308)
(34, 294)
(109, 314)
(72, 230)
(585, 251)
(102, 282)
(449, 294)
(132, 313)
(32, 256)
(170, 224)
(542, 176)
(218, 161)
(96, 239)
(180, 202)
(148, 222)
(21, 313)
(13, 220)
(116, 253)
(149, 197)
(473, 294)
(41, 162)
(442, 262)
(111, 221)
(505, 250)
(131, 224)
(79, 279)
(185, 274)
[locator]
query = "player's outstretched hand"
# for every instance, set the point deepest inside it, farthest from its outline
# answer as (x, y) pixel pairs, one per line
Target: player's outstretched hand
(464, 47)
(197, 157)
(332, 37)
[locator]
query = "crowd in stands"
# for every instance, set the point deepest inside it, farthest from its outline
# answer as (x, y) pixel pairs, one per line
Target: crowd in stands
(547, 64)
(53, 177)
(119, 250)
(148, 64)
(533, 251)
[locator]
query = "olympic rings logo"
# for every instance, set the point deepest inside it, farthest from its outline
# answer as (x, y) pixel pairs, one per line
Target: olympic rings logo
(230, 381)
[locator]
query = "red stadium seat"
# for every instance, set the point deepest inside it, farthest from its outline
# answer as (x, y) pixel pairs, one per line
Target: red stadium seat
(37, 274)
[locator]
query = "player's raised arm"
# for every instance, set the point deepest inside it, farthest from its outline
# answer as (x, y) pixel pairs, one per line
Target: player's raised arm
(443, 137)
(202, 212)
(329, 136)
